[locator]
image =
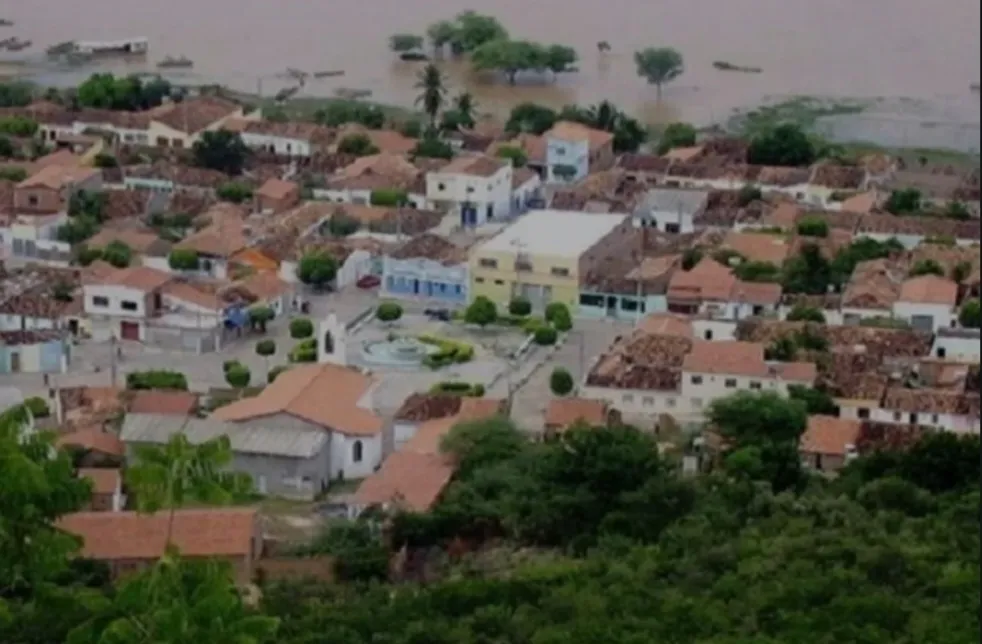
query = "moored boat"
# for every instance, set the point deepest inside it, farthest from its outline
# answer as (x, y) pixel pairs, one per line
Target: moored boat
(180, 62)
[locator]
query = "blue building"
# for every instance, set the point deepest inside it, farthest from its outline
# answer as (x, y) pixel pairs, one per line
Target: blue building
(34, 351)
(427, 268)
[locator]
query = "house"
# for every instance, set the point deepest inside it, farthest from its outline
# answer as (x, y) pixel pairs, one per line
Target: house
(962, 345)
(332, 399)
(215, 245)
(872, 291)
(532, 145)
(355, 182)
(829, 442)
(526, 188)
(276, 196)
(476, 189)
(711, 289)
(574, 150)
(183, 124)
(929, 302)
(34, 238)
(265, 288)
(830, 180)
(671, 210)
(950, 409)
(624, 286)
(427, 267)
(168, 178)
(528, 259)
(911, 230)
(41, 351)
(129, 541)
(414, 477)
(149, 249)
(107, 489)
(28, 302)
(50, 188)
(563, 413)
(286, 139)
(758, 247)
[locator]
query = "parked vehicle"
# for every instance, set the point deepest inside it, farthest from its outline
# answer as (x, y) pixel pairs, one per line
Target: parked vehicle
(368, 281)
(443, 315)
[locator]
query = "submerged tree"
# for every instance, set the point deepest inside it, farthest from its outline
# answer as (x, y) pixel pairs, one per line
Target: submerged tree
(659, 66)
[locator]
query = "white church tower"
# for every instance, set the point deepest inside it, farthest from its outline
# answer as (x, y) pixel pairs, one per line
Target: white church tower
(331, 341)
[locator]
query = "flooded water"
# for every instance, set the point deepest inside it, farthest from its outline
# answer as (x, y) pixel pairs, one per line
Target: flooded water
(893, 49)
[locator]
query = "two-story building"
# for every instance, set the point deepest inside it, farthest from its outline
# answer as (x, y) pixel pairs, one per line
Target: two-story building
(428, 268)
(928, 302)
(287, 139)
(574, 150)
(120, 303)
(671, 210)
(476, 188)
(50, 189)
(542, 255)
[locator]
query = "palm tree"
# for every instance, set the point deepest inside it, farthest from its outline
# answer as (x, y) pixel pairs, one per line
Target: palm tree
(433, 91)
(465, 107)
(659, 65)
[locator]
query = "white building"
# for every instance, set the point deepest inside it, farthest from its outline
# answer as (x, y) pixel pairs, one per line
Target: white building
(477, 189)
(671, 210)
(962, 345)
(928, 302)
(289, 139)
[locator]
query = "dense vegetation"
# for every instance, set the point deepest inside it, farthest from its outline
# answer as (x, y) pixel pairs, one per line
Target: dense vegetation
(591, 538)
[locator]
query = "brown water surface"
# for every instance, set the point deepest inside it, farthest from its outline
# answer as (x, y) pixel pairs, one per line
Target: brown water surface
(857, 48)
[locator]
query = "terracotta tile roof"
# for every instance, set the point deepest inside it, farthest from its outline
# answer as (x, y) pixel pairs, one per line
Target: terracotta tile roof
(142, 278)
(563, 412)
(478, 165)
(861, 204)
(805, 372)
(532, 145)
(104, 480)
(874, 285)
(178, 174)
(785, 216)
(929, 289)
(521, 176)
(570, 131)
(433, 247)
(57, 177)
(93, 440)
(875, 436)
(780, 176)
(375, 172)
(409, 480)
(829, 435)
(195, 114)
(141, 240)
(875, 343)
(642, 360)
(733, 358)
(430, 433)
(171, 403)
(387, 141)
(205, 532)
(758, 247)
(263, 286)
(643, 163)
(756, 293)
(221, 239)
(666, 324)
(420, 407)
(708, 280)
(838, 177)
(927, 226)
(931, 401)
(193, 293)
(61, 158)
(322, 394)
(277, 189)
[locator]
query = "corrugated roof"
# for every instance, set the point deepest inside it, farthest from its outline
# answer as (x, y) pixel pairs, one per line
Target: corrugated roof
(158, 428)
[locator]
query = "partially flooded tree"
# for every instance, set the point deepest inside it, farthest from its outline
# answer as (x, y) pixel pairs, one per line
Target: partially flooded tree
(659, 65)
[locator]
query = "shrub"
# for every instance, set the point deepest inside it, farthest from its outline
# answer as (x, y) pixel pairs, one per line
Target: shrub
(388, 312)
(448, 351)
(157, 379)
(481, 312)
(545, 336)
(971, 315)
(234, 192)
(561, 320)
(458, 388)
(183, 260)
(927, 267)
(228, 365)
(560, 381)
(238, 376)
(806, 314)
(531, 325)
(259, 316)
(813, 227)
(38, 407)
(554, 309)
(520, 307)
(477, 390)
(388, 197)
(265, 348)
(301, 328)
(304, 351)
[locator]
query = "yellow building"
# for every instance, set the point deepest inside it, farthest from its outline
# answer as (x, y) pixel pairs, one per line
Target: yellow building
(543, 254)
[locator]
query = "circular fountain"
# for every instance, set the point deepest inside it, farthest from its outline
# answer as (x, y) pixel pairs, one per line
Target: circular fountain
(399, 352)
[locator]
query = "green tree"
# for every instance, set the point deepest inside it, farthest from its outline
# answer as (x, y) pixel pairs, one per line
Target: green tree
(342, 224)
(757, 272)
(802, 313)
(301, 328)
(105, 160)
(472, 30)
(481, 312)
(260, 316)
(691, 257)
(441, 34)
(970, 315)
(957, 210)
(961, 271)
(221, 150)
(388, 312)
(183, 259)
(16, 94)
(509, 57)
(465, 109)
(816, 401)
(559, 58)
(783, 145)
(808, 272)
(317, 269)
(658, 66)
(234, 191)
(432, 92)
(927, 267)
(357, 549)
(389, 197)
(561, 382)
(338, 113)
(18, 126)
(13, 174)
(431, 147)
(238, 376)
(813, 227)
(906, 201)
(118, 254)
(520, 306)
(677, 135)
(531, 118)
(405, 43)
(7, 151)
(358, 145)
(514, 154)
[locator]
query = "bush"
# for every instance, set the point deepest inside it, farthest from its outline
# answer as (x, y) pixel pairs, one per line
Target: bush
(229, 365)
(458, 388)
(259, 317)
(238, 376)
(545, 336)
(520, 306)
(449, 352)
(806, 314)
(813, 227)
(274, 372)
(561, 320)
(531, 325)
(927, 267)
(971, 314)
(304, 351)
(560, 381)
(183, 260)
(38, 407)
(388, 312)
(234, 192)
(301, 328)
(554, 309)
(265, 348)
(481, 312)
(389, 197)
(157, 379)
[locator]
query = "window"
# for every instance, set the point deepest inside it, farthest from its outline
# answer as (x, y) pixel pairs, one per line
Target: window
(897, 416)
(128, 305)
(913, 419)
(560, 150)
(560, 272)
(591, 300)
(99, 300)
(670, 402)
(934, 419)
(697, 403)
(648, 401)
(629, 304)
(708, 334)
(32, 200)
(356, 452)
(499, 282)
(488, 263)
(628, 398)
(754, 384)
(696, 380)
(942, 352)
(479, 280)
(863, 413)
(470, 189)
(730, 383)
(672, 229)
(441, 186)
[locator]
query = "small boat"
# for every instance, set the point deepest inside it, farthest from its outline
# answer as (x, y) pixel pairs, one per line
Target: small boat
(352, 94)
(413, 56)
(181, 62)
(19, 45)
(6, 23)
(724, 66)
(329, 74)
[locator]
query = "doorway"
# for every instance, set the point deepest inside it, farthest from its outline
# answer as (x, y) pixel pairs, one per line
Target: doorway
(15, 363)
(129, 330)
